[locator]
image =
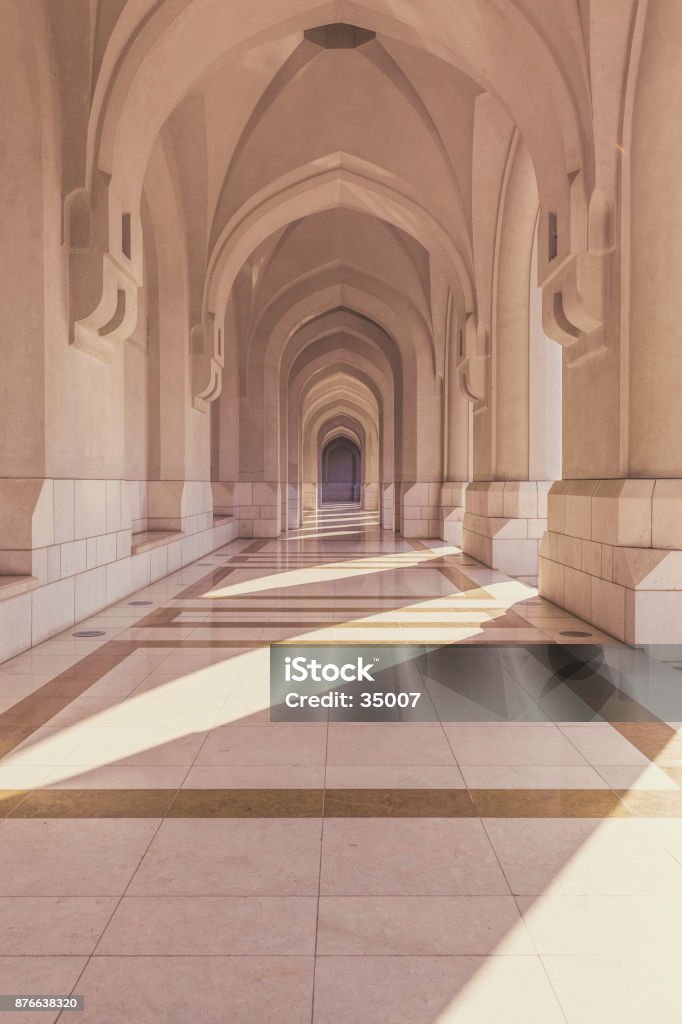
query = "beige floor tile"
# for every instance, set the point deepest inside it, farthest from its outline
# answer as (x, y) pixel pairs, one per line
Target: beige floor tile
(212, 926)
(580, 856)
(20, 777)
(636, 776)
(255, 776)
(446, 857)
(115, 776)
(49, 745)
(497, 744)
(53, 925)
(231, 857)
(616, 989)
(420, 926)
(385, 743)
(604, 925)
(64, 857)
(278, 743)
(602, 745)
(210, 989)
(433, 990)
(139, 746)
(381, 776)
(532, 776)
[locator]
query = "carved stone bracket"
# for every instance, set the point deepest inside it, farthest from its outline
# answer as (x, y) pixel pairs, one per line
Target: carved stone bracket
(576, 290)
(104, 248)
(208, 360)
(473, 361)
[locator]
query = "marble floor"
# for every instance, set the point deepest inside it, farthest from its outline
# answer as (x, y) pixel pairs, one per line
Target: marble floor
(514, 853)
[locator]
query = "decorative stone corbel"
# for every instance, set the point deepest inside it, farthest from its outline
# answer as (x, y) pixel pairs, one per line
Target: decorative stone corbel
(208, 360)
(104, 247)
(473, 357)
(577, 289)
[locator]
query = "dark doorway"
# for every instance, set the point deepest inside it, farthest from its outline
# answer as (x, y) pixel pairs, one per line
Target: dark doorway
(341, 474)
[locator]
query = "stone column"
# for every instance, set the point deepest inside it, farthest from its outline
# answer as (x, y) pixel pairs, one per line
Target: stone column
(613, 551)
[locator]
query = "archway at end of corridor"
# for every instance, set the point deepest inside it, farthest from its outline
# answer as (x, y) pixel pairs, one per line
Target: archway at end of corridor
(341, 472)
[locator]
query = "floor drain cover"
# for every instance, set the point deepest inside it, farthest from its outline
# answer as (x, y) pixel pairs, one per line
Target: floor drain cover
(140, 602)
(86, 633)
(574, 632)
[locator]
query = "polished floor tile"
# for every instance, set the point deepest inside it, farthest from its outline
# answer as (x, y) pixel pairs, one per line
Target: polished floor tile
(255, 776)
(67, 858)
(619, 989)
(426, 990)
(523, 745)
(409, 856)
(213, 857)
(532, 776)
(392, 776)
(407, 743)
(574, 857)
(297, 744)
(563, 925)
(211, 926)
(53, 925)
(210, 989)
(602, 745)
(420, 926)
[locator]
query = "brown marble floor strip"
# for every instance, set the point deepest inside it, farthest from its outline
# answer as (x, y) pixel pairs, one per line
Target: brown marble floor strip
(212, 579)
(485, 623)
(340, 803)
(227, 609)
(159, 617)
(548, 803)
(248, 803)
(94, 803)
(399, 803)
(21, 720)
(267, 594)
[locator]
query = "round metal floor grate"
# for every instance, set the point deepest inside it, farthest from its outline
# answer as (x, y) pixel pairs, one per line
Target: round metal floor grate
(140, 602)
(84, 634)
(574, 632)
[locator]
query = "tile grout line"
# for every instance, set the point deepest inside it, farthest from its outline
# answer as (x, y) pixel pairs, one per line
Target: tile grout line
(111, 916)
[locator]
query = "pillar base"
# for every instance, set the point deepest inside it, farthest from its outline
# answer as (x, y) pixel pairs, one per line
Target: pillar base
(612, 555)
(258, 506)
(371, 497)
(420, 515)
(504, 521)
(452, 511)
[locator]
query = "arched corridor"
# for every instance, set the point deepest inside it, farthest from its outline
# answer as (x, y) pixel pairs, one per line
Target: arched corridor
(230, 287)
(341, 479)
(369, 308)
(205, 294)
